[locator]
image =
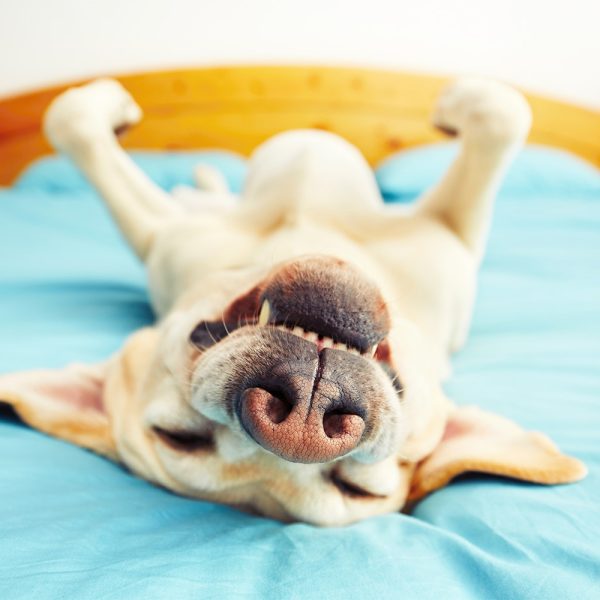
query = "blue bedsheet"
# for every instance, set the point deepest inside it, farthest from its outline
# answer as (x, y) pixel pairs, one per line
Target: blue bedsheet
(73, 525)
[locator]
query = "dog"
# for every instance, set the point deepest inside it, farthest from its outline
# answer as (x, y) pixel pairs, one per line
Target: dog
(304, 328)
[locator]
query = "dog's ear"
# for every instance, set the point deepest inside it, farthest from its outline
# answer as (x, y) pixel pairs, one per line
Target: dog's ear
(65, 403)
(479, 441)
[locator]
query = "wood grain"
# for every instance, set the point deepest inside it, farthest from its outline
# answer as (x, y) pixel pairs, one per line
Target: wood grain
(239, 107)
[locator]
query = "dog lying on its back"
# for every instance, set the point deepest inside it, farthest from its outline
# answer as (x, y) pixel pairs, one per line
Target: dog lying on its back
(304, 328)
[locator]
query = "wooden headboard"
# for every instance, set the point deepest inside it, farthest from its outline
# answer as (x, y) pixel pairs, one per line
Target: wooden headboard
(239, 107)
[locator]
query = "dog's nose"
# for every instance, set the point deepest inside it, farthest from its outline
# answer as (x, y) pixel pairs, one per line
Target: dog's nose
(298, 435)
(302, 413)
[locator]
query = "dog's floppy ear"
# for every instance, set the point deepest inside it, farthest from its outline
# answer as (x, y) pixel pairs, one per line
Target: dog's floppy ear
(65, 403)
(479, 441)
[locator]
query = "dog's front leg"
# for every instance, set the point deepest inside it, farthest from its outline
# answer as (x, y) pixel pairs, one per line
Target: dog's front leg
(82, 123)
(492, 121)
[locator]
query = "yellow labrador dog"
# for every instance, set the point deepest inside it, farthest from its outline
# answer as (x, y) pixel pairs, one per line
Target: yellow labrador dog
(304, 327)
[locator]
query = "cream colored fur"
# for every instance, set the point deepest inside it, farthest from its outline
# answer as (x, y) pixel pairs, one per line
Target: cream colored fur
(307, 192)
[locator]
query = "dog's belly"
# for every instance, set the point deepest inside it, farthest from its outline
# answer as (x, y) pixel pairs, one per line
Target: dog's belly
(309, 192)
(309, 174)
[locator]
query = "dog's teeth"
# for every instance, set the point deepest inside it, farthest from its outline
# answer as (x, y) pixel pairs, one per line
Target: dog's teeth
(298, 331)
(311, 336)
(265, 313)
(354, 351)
(327, 342)
(340, 346)
(373, 350)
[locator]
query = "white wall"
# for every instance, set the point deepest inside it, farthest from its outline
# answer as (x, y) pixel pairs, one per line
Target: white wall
(549, 46)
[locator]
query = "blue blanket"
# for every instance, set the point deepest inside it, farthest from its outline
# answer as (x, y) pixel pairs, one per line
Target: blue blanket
(76, 526)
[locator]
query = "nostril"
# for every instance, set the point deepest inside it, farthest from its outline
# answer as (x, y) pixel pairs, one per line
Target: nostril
(337, 423)
(277, 408)
(259, 405)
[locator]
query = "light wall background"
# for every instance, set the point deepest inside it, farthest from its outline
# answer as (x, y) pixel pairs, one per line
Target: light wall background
(547, 46)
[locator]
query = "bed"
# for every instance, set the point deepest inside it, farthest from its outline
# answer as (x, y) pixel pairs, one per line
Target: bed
(77, 526)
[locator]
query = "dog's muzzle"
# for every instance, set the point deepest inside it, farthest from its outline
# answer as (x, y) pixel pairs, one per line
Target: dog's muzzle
(311, 397)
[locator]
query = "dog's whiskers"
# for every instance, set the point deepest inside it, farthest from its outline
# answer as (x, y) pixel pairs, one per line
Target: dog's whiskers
(212, 337)
(225, 324)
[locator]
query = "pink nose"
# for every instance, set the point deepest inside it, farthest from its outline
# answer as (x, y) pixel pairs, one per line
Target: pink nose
(306, 432)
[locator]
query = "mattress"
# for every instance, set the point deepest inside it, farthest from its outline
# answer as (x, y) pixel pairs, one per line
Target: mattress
(74, 525)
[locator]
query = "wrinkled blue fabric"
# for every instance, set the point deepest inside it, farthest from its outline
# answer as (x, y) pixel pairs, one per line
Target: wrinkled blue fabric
(74, 525)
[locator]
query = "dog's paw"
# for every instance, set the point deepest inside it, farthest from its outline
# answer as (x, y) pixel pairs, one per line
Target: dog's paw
(483, 110)
(81, 114)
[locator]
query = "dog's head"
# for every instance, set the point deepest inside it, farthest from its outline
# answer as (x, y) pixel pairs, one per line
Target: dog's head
(305, 398)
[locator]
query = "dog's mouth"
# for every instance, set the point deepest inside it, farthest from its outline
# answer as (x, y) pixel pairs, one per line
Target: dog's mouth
(319, 299)
(320, 340)
(209, 333)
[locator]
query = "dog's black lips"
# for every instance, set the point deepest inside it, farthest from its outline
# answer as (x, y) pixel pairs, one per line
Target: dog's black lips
(208, 333)
(335, 312)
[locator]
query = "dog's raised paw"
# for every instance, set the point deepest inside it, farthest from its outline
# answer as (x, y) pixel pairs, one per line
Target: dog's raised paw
(483, 110)
(81, 114)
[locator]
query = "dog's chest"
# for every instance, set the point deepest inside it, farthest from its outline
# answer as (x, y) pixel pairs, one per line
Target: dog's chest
(201, 251)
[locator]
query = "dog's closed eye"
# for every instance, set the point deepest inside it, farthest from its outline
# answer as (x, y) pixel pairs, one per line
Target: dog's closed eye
(351, 490)
(185, 441)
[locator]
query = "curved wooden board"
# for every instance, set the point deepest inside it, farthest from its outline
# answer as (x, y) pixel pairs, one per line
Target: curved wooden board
(239, 107)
